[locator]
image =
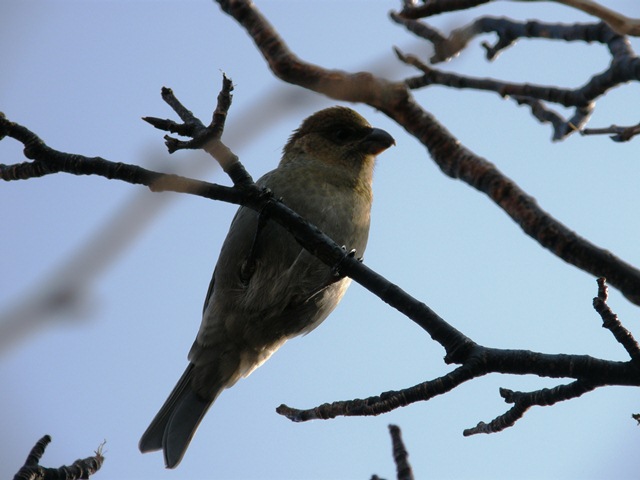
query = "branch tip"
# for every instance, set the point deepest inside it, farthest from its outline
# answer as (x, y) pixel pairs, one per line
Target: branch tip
(400, 454)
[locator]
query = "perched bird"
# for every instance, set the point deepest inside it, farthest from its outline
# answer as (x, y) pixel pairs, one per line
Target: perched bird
(266, 288)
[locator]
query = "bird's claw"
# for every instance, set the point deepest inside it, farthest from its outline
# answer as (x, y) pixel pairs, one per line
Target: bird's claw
(335, 270)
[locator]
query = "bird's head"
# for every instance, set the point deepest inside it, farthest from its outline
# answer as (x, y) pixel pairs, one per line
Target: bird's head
(337, 136)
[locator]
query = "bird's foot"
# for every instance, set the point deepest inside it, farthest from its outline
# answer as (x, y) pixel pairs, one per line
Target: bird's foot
(335, 270)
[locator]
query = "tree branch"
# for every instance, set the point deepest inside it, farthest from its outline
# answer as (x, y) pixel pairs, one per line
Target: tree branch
(589, 372)
(400, 456)
(611, 322)
(618, 22)
(48, 161)
(80, 469)
(395, 100)
(623, 67)
(523, 401)
(523, 94)
(618, 134)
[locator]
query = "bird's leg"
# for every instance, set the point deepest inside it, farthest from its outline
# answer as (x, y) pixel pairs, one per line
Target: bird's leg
(334, 275)
(249, 265)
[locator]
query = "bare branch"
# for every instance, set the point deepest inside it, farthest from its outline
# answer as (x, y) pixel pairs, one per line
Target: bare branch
(80, 469)
(400, 454)
(245, 194)
(618, 134)
(65, 293)
(207, 138)
(395, 100)
(583, 98)
(590, 373)
(523, 94)
(618, 22)
(523, 401)
(362, 87)
(611, 322)
(561, 127)
(435, 7)
(47, 161)
(386, 401)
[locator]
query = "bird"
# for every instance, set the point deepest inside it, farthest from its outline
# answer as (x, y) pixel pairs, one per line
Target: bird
(266, 288)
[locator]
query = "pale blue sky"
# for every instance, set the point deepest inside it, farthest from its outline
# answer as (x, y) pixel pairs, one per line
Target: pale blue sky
(81, 74)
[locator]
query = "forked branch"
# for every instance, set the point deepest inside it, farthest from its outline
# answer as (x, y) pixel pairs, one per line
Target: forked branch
(589, 373)
(80, 469)
(623, 67)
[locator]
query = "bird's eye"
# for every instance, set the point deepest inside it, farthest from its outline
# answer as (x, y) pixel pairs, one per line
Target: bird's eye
(342, 135)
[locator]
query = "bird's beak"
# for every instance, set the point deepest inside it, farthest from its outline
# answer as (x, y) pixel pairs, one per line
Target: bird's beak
(377, 141)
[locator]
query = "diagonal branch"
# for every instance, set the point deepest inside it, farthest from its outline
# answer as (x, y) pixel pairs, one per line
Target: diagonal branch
(49, 161)
(523, 401)
(456, 161)
(611, 322)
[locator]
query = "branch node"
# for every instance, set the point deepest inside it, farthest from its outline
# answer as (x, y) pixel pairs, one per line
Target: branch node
(611, 322)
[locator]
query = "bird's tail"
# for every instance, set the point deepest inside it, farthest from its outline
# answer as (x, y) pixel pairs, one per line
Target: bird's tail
(177, 421)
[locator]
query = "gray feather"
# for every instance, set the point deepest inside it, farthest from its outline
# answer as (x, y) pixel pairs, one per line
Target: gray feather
(177, 421)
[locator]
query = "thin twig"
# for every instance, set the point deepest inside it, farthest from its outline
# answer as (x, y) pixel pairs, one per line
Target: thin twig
(523, 401)
(617, 134)
(611, 322)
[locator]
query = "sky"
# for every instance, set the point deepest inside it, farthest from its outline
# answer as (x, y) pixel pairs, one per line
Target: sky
(82, 74)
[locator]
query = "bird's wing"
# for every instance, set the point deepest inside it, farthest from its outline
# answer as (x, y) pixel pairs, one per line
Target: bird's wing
(209, 291)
